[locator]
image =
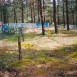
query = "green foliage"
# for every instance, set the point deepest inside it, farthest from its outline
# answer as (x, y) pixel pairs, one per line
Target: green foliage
(12, 37)
(8, 60)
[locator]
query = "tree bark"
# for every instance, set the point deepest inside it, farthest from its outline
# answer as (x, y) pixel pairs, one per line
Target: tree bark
(76, 13)
(4, 14)
(42, 19)
(67, 16)
(15, 15)
(31, 12)
(63, 15)
(38, 11)
(22, 12)
(54, 16)
(44, 9)
(58, 21)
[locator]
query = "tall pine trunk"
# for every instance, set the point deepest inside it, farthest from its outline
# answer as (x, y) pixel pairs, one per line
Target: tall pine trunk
(76, 13)
(67, 16)
(54, 16)
(22, 12)
(38, 11)
(58, 21)
(63, 15)
(44, 9)
(15, 15)
(31, 12)
(4, 14)
(42, 18)
(1, 15)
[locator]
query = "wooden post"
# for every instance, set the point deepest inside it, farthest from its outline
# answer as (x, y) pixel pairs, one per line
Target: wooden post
(19, 48)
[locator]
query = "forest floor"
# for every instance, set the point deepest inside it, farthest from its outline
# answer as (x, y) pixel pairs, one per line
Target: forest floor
(41, 56)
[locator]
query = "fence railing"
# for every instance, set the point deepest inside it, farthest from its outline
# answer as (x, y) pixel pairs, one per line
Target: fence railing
(27, 25)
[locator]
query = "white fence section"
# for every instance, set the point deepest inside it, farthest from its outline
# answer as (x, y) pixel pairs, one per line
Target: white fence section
(24, 25)
(71, 26)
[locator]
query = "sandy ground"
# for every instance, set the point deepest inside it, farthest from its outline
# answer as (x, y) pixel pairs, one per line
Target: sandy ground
(46, 43)
(43, 43)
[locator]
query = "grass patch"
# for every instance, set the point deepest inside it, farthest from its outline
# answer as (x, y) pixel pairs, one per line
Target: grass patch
(27, 36)
(39, 57)
(62, 52)
(32, 35)
(73, 56)
(11, 37)
(8, 60)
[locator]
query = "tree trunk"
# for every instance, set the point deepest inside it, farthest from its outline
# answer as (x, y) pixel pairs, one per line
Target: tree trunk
(76, 13)
(34, 12)
(27, 9)
(44, 9)
(31, 12)
(38, 12)
(67, 16)
(63, 15)
(15, 15)
(1, 15)
(42, 19)
(58, 21)
(4, 14)
(54, 16)
(22, 12)
(73, 18)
